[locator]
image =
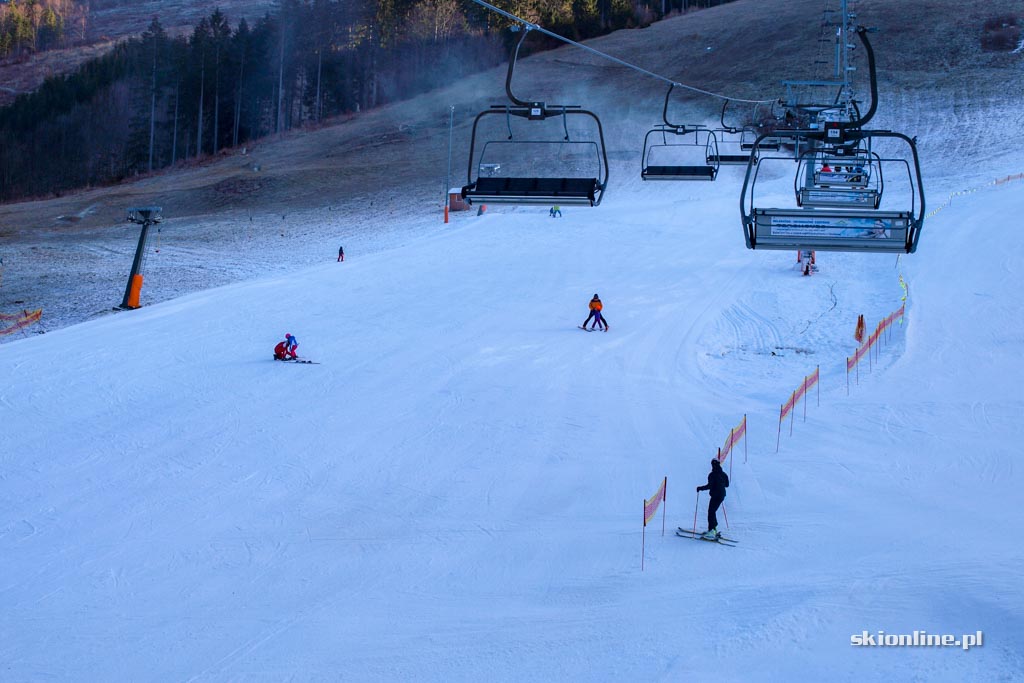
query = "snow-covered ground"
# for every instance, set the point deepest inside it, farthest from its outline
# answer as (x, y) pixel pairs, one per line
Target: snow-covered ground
(455, 492)
(76, 275)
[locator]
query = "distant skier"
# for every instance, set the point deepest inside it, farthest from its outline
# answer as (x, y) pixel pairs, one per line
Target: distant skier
(341, 254)
(555, 212)
(285, 350)
(595, 314)
(718, 481)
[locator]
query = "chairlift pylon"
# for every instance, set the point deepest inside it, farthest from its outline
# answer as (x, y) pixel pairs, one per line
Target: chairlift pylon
(514, 176)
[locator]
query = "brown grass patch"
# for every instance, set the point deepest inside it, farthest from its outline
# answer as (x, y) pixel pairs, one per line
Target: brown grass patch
(1001, 34)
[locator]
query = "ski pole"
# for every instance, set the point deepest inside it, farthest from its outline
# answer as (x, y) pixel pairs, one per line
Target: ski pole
(695, 506)
(726, 515)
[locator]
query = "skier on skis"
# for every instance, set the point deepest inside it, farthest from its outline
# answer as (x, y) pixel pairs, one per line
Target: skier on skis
(718, 481)
(595, 313)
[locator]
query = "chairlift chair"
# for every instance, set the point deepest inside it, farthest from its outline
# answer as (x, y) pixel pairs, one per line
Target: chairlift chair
(694, 143)
(680, 143)
(521, 183)
(846, 217)
(736, 143)
(768, 143)
(839, 211)
(851, 178)
(730, 149)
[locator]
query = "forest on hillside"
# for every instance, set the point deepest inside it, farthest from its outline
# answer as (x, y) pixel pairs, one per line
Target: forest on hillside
(156, 100)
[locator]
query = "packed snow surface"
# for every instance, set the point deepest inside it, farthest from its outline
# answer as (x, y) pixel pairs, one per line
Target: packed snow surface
(455, 493)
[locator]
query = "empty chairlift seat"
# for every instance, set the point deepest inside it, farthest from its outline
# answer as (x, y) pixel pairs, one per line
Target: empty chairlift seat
(557, 165)
(568, 191)
(733, 148)
(679, 172)
(729, 159)
(680, 144)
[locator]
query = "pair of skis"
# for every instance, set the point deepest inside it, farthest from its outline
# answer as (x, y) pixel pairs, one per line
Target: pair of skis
(303, 361)
(699, 536)
(590, 329)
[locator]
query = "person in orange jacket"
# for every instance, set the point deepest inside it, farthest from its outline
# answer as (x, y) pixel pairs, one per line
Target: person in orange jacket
(595, 313)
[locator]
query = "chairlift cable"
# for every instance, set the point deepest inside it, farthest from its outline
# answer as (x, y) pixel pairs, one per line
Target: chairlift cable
(530, 26)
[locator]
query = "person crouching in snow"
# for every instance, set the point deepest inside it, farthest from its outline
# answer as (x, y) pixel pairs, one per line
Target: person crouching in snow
(285, 350)
(718, 481)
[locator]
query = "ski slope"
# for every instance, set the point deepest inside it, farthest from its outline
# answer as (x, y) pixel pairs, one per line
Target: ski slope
(455, 493)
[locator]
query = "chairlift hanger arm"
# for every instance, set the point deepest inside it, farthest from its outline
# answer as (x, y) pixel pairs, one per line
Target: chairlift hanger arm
(677, 128)
(529, 109)
(511, 68)
(664, 113)
(862, 32)
(726, 127)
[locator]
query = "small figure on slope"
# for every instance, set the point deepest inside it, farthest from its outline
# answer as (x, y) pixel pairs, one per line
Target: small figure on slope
(595, 314)
(341, 254)
(555, 212)
(718, 481)
(285, 350)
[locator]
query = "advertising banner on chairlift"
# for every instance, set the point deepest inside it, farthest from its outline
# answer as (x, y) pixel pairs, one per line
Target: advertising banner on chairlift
(822, 226)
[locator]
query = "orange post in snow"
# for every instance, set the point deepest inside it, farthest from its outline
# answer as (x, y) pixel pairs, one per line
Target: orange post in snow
(134, 290)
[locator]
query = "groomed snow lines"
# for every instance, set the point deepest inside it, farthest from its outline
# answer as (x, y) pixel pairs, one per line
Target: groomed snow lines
(868, 348)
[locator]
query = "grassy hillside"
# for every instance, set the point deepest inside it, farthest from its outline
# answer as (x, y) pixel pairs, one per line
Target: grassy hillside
(930, 61)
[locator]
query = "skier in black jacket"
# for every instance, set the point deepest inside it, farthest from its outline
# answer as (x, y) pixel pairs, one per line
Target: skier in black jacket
(718, 481)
